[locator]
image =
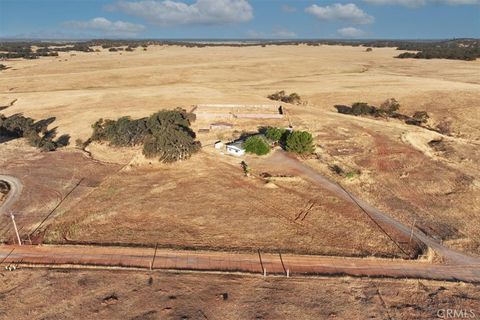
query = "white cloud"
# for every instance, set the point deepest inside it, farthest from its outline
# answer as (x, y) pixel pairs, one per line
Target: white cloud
(288, 9)
(344, 12)
(351, 32)
(168, 12)
(420, 3)
(107, 27)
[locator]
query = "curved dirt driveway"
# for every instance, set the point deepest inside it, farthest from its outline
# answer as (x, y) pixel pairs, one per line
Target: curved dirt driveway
(16, 188)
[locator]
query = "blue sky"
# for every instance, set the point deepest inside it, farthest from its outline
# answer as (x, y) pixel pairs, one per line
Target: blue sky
(285, 19)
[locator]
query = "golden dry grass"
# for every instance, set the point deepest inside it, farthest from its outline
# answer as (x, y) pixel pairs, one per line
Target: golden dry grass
(143, 295)
(400, 173)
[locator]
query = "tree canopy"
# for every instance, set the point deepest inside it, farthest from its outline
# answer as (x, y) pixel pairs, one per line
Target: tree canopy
(165, 134)
(275, 134)
(36, 132)
(257, 145)
(300, 142)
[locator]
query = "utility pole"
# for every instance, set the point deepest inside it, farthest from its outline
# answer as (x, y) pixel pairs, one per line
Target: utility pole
(16, 230)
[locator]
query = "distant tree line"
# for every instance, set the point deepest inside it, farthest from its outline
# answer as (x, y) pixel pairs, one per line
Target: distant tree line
(165, 135)
(452, 54)
(464, 49)
(36, 132)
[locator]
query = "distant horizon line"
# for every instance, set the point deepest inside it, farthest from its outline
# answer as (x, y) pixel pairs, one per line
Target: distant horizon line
(233, 39)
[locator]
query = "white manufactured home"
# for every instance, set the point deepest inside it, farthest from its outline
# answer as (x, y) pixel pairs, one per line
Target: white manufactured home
(236, 148)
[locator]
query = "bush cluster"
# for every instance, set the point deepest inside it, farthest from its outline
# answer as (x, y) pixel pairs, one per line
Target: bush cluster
(388, 108)
(292, 98)
(165, 134)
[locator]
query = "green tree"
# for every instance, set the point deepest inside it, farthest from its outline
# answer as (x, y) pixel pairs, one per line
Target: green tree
(256, 145)
(275, 134)
(300, 142)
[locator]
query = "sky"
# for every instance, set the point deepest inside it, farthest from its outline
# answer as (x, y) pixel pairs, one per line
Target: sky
(240, 19)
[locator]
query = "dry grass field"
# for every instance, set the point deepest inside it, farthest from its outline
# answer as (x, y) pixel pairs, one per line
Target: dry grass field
(144, 295)
(206, 202)
(52, 181)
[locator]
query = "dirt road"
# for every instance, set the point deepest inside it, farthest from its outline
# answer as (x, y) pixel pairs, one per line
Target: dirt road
(234, 262)
(14, 193)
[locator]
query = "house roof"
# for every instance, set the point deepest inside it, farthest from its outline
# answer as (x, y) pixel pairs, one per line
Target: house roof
(236, 144)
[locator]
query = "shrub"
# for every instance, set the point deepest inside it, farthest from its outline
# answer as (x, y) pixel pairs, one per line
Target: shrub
(343, 109)
(389, 107)
(352, 174)
(79, 143)
(369, 50)
(421, 116)
(300, 142)
(293, 98)
(256, 145)
(445, 127)
(336, 168)
(362, 108)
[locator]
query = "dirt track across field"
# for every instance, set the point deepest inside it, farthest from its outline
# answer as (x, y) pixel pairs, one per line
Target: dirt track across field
(234, 262)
